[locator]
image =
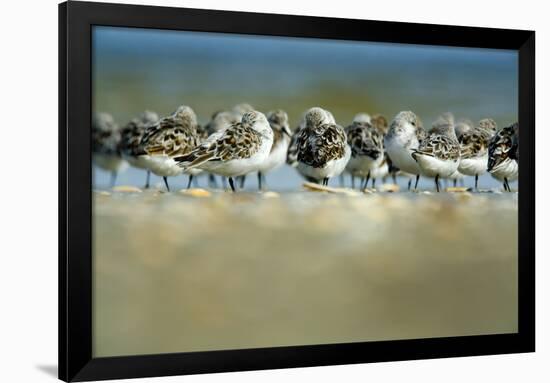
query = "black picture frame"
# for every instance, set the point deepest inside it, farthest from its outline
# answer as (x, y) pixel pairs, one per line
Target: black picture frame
(75, 191)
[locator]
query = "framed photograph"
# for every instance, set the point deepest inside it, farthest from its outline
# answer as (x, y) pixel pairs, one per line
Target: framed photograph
(244, 191)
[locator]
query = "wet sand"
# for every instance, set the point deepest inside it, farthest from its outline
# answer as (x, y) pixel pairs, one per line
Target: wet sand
(175, 272)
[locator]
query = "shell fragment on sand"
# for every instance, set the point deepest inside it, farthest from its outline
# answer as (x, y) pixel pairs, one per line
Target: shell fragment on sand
(320, 188)
(456, 189)
(201, 193)
(126, 189)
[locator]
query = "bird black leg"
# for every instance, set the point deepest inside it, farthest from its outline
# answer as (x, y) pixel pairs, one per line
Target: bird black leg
(352, 181)
(394, 178)
(166, 183)
(437, 182)
(366, 181)
(231, 184)
(259, 180)
(507, 185)
(113, 179)
(241, 180)
(212, 181)
(416, 182)
(373, 182)
(477, 178)
(409, 184)
(454, 182)
(325, 181)
(147, 179)
(190, 180)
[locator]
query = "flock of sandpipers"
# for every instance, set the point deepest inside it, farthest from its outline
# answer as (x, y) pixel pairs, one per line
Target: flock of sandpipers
(242, 141)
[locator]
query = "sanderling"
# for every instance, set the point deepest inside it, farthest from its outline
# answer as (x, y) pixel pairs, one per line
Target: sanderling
(171, 136)
(438, 155)
(105, 145)
(131, 136)
(404, 135)
(292, 153)
(240, 149)
(220, 120)
(323, 151)
(474, 144)
(503, 163)
(386, 167)
(278, 120)
(367, 150)
(234, 115)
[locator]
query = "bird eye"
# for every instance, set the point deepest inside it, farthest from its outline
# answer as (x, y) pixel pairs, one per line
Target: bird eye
(413, 123)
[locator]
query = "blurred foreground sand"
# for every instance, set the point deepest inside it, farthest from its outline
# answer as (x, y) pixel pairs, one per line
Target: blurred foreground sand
(176, 273)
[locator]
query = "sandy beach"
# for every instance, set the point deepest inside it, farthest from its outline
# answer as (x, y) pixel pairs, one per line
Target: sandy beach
(205, 270)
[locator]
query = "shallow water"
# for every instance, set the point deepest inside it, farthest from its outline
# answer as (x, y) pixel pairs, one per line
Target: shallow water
(176, 273)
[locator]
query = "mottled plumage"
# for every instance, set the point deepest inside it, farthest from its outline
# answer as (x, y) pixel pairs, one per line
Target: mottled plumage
(438, 155)
(473, 144)
(318, 146)
(292, 153)
(503, 161)
(323, 151)
(133, 132)
(367, 151)
(439, 146)
(173, 135)
(365, 140)
(235, 143)
(235, 151)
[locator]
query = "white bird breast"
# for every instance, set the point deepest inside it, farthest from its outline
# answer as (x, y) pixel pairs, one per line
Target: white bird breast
(401, 157)
(432, 166)
(362, 165)
(277, 157)
(508, 169)
(473, 166)
(163, 166)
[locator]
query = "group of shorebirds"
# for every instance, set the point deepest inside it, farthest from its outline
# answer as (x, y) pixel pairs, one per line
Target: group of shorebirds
(241, 141)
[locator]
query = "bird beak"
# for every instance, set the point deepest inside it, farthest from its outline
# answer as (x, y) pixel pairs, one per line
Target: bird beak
(287, 132)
